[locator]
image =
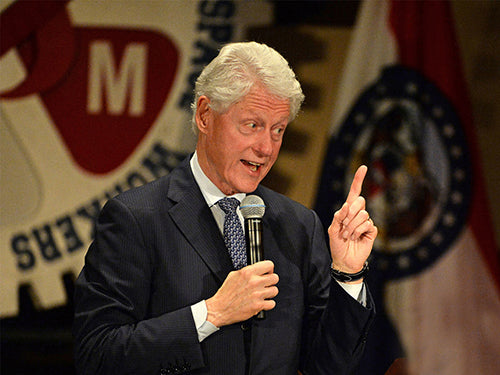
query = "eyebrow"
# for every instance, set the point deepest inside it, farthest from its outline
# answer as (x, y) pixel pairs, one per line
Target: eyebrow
(249, 113)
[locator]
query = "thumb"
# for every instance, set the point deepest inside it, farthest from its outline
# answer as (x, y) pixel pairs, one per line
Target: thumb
(339, 217)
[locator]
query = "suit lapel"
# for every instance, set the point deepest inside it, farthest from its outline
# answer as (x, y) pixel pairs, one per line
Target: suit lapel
(195, 220)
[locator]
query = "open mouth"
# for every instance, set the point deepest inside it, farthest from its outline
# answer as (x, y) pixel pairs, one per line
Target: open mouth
(254, 167)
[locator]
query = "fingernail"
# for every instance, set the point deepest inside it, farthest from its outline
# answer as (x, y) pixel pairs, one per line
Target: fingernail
(345, 235)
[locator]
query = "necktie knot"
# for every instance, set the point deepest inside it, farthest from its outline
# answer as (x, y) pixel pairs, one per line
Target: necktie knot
(229, 205)
(234, 237)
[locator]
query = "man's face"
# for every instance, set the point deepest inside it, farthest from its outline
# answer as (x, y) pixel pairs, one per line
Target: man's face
(237, 149)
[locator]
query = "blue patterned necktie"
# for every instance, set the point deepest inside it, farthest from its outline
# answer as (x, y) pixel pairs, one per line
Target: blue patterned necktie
(234, 236)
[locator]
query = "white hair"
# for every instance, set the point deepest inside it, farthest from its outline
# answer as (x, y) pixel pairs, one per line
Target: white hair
(239, 66)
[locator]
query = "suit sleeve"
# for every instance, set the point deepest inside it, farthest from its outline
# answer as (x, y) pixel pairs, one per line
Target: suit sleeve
(114, 333)
(335, 325)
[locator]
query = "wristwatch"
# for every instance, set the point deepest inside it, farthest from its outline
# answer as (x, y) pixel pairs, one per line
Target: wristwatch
(346, 277)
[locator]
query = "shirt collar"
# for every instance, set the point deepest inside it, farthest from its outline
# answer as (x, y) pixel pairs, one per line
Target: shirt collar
(210, 192)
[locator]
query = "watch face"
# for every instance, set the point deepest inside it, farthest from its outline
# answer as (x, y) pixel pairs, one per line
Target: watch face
(419, 177)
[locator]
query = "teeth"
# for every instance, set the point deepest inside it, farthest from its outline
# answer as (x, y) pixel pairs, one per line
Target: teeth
(253, 166)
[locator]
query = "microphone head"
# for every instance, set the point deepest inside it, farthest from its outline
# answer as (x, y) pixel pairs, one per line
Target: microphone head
(252, 207)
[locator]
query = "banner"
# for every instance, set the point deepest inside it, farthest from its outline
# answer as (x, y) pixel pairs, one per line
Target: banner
(403, 110)
(94, 99)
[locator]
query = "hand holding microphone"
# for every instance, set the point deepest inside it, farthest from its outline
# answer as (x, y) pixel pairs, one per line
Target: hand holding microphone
(235, 300)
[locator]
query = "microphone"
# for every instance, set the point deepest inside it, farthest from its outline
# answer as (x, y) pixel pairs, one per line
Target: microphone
(252, 208)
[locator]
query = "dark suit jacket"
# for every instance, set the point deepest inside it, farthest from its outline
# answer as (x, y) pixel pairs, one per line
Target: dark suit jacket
(158, 250)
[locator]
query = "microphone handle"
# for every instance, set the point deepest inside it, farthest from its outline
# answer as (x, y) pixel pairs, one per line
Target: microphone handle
(255, 248)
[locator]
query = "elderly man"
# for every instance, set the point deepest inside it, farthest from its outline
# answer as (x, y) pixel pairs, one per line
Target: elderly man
(162, 293)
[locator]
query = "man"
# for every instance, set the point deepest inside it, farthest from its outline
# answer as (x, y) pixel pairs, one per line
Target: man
(160, 294)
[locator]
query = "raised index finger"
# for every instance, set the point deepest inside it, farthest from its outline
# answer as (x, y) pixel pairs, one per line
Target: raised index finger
(357, 184)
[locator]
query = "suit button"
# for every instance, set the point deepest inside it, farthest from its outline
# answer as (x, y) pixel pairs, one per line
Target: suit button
(245, 326)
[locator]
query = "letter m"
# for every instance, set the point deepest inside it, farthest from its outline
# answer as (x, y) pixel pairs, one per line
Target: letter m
(127, 81)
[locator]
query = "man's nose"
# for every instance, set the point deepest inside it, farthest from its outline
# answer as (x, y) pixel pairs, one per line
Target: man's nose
(265, 144)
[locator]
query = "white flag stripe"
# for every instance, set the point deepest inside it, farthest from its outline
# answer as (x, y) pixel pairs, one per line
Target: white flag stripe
(372, 47)
(449, 316)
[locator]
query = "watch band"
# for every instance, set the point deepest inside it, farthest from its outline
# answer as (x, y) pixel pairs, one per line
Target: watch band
(346, 277)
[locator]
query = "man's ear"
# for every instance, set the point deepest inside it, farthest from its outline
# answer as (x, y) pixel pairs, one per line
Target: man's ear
(203, 113)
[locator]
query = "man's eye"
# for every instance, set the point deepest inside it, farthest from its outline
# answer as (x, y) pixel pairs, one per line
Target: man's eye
(248, 127)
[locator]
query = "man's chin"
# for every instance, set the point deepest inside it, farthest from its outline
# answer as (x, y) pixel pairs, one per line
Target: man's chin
(248, 187)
